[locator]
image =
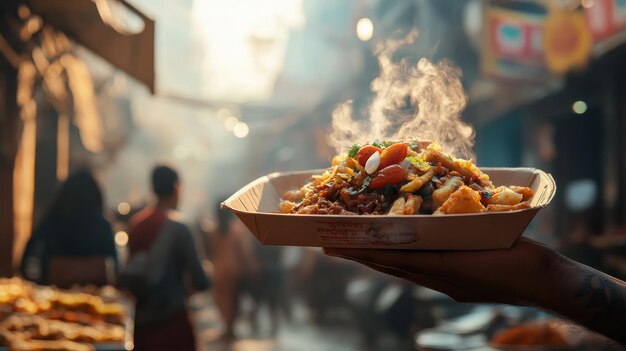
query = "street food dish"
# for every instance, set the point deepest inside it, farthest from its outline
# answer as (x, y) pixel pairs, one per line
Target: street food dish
(270, 207)
(402, 178)
(257, 205)
(43, 318)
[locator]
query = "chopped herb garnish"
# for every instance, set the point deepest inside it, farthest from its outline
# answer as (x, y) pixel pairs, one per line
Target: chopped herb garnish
(366, 183)
(378, 144)
(450, 158)
(387, 143)
(353, 150)
(414, 159)
(418, 163)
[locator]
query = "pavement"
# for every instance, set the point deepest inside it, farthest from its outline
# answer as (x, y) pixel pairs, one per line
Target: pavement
(298, 334)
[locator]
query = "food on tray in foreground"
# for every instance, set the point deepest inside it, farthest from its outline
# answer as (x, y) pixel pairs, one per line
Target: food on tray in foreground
(43, 318)
(541, 334)
(402, 178)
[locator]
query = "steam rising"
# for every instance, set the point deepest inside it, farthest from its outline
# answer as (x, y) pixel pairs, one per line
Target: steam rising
(421, 102)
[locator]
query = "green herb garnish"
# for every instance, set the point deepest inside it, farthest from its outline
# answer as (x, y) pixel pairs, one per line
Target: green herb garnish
(354, 149)
(382, 144)
(418, 163)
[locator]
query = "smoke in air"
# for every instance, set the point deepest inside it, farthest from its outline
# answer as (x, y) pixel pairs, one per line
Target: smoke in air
(411, 102)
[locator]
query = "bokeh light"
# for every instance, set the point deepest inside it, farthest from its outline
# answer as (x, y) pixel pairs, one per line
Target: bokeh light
(587, 3)
(241, 130)
(230, 123)
(123, 208)
(579, 107)
(121, 238)
(223, 113)
(365, 29)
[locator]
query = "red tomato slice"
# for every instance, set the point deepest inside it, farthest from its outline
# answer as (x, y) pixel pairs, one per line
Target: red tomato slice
(393, 174)
(365, 152)
(393, 154)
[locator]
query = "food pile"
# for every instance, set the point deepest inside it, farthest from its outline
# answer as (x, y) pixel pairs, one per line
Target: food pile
(402, 178)
(42, 318)
(541, 334)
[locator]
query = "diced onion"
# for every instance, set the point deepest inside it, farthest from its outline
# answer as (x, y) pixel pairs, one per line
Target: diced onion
(372, 163)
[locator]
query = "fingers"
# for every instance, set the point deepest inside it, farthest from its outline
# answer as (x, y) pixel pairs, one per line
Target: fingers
(415, 262)
(433, 283)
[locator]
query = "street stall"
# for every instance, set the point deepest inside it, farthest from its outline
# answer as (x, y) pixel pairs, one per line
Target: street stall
(45, 82)
(46, 90)
(36, 317)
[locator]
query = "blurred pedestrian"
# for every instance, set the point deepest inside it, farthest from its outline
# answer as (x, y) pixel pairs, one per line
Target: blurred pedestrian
(268, 289)
(233, 267)
(171, 261)
(74, 242)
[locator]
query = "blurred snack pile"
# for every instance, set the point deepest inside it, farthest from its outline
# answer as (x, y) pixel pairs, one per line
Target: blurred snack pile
(547, 335)
(36, 317)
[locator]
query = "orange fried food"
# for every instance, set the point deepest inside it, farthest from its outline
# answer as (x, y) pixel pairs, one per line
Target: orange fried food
(442, 194)
(526, 192)
(530, 335)
(407, 204)
(464, 200)
(501, 208)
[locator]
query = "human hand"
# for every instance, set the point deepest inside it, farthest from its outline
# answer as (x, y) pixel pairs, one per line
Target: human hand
(521, 275)
(527, 274)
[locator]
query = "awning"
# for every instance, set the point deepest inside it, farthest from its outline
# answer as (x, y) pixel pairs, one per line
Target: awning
(89, 23)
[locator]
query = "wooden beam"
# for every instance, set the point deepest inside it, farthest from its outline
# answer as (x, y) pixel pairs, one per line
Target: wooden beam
(9, 130)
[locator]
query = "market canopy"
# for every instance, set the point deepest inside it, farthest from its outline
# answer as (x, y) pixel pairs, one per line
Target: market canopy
(93, 25)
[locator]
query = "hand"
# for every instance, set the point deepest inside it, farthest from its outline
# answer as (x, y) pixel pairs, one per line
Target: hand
(519, 275)
(527, 274)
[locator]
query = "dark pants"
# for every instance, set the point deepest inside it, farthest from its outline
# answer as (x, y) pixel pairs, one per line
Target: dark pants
(174, 334)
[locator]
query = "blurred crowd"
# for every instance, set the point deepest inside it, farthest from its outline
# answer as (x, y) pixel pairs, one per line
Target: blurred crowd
(75, 244)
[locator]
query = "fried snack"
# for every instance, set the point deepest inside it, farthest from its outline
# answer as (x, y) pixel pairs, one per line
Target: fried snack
(402, 178)
(503, 196)
(530, 335)
(49, 345)
(502, 208)
(464, 200)
(407, 204)
(526, 192)
(413, 203)
(397, 209)
(435, 156)
(440, 195)
(44, 318)
(418, 182)
(5, 337)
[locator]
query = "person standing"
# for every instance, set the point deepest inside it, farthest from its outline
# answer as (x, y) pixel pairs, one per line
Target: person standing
(161, 318)
(73, 244)
(234, 268)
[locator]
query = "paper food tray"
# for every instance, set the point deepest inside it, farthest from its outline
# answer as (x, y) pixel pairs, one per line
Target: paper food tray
(256, 204)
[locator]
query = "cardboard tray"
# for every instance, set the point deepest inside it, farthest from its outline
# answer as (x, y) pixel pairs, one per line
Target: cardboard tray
(256, 204)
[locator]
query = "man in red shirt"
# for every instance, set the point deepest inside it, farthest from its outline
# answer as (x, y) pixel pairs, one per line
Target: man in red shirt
(161, 318)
